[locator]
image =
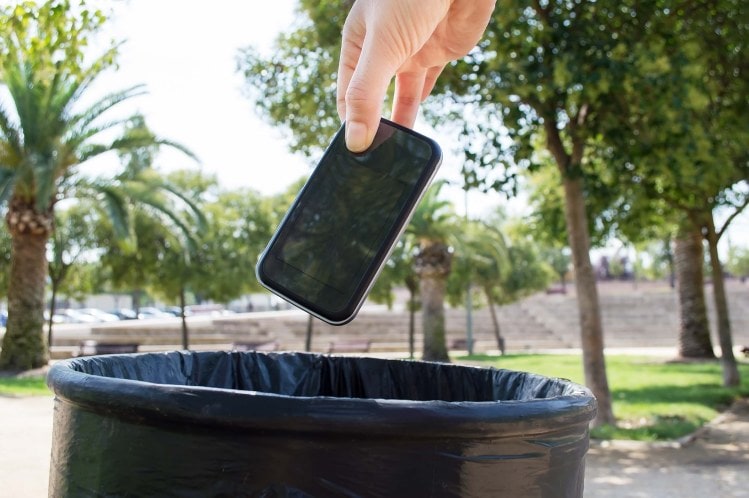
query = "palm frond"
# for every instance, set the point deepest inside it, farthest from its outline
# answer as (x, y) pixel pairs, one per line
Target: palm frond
(116, 206)
(75, 138)
(82, 120)
(78, 85)
(45, 179)
(10, 131)
(198, 215)
(8, 178)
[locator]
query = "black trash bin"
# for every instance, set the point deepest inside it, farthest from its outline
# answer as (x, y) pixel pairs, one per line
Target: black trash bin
(228, 424)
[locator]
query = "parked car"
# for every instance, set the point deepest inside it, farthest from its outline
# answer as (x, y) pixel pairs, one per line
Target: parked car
(100, 315)
(151, 312)
(75, 316)
(125, 314)
(176, 311)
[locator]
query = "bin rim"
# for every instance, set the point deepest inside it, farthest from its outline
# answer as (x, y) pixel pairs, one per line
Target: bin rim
(369, 417)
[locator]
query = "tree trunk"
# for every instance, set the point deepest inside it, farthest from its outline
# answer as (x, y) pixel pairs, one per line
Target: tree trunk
(411, 318)
(694, 328)
(731, 377)
(308, 338)
(591, 327)
(495, 321)
(433, 264)
(24, 344)
(185, 334)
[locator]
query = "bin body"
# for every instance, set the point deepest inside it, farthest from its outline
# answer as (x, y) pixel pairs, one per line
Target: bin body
(293, 424)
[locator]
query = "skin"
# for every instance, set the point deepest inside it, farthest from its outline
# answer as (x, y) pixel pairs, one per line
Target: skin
(411, 40)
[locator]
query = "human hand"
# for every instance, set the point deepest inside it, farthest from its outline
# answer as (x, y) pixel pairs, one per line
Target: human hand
(412, 40)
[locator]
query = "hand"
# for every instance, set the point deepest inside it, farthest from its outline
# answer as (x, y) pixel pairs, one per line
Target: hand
(412, 40)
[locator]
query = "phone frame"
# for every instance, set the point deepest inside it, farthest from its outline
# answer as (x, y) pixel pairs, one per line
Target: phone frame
(380, 258)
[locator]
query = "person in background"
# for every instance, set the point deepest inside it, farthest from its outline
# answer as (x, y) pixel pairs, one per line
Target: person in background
(411, 40)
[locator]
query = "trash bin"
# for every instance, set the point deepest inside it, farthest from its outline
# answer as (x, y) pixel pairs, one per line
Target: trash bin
(295, 424)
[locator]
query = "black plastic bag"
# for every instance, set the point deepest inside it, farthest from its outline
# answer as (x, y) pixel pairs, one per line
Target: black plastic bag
(296, 424)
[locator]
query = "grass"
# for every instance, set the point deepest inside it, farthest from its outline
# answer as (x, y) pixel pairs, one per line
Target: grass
(23, 386)
(652, 399)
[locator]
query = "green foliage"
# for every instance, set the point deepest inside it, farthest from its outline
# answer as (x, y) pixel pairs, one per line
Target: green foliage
(434, 219)
(240, 223)
(73, 246)
(397, 272)
(738, 261)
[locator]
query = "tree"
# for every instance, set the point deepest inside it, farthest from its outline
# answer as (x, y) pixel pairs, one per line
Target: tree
(72, 240)
(482, 258)
(737, 262)
(46, 131)
(431, 226)
(399, 270)
(239, 224)
(684, 125)
(553, 73)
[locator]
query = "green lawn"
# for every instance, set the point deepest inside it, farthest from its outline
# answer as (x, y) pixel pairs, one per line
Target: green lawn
(653, 399)
(23, 386)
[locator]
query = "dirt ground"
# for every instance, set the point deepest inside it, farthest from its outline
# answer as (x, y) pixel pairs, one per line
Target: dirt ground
(713, 463)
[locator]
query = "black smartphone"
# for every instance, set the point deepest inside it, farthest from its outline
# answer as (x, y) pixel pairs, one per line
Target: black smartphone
(340, 229)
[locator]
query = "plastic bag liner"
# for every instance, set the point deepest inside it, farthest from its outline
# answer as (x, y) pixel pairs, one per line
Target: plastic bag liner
(197, 424)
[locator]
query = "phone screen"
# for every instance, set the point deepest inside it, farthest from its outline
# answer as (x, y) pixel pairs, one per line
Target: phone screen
(337, 234)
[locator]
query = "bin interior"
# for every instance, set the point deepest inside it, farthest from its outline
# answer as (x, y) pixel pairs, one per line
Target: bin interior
(311, 375)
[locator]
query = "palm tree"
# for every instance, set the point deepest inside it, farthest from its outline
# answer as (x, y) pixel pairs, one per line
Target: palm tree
(484, 250)
(46, 132)
(432, 225)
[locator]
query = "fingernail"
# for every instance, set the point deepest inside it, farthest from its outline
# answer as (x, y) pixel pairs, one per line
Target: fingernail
(356, 136)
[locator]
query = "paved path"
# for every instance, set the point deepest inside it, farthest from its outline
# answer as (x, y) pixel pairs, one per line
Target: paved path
(714, 463)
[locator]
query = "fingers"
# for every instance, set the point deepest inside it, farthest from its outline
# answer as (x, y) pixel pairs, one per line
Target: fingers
(364, 94)
(409, 89)
(431, 78)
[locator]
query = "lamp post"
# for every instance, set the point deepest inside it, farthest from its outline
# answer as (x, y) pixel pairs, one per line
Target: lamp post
(469, 303)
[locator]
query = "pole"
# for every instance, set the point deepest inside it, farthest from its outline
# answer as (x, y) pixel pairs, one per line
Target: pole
(469, 303)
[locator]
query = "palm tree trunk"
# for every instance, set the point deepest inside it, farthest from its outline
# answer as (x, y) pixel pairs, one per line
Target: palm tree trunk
(433, 318)
(433, 265)
(591, 326)
(495, 321)
(694, 328)
(24, 344)
(731, 377)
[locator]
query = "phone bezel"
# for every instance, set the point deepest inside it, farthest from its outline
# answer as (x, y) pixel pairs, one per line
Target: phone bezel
(358, 297)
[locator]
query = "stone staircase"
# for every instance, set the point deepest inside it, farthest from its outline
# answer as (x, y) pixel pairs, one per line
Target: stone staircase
(645, 315)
